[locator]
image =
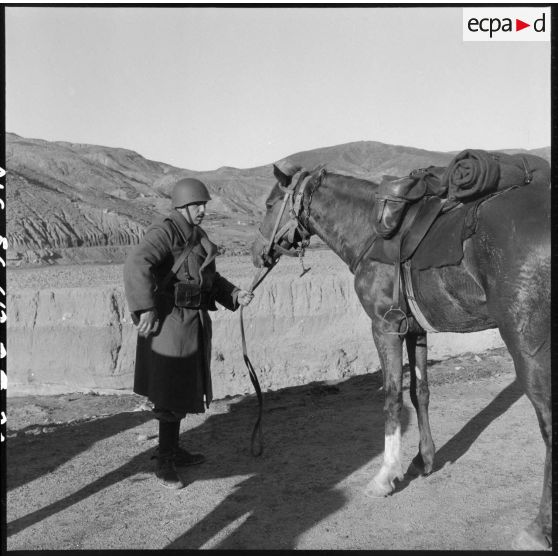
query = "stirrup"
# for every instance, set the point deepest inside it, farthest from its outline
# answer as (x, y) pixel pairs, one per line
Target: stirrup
(392, 309)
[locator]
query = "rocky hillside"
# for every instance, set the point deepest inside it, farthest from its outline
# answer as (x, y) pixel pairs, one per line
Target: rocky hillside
(76, 203)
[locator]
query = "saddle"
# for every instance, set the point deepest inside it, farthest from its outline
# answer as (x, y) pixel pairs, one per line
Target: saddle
(401, 245)
(404, 211)
(407, 208)
(471, 175)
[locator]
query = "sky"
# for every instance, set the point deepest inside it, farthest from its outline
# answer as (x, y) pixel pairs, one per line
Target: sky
(201, 88)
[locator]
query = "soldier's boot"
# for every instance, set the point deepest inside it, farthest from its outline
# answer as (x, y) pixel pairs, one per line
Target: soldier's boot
(182, 457)
(166, 470)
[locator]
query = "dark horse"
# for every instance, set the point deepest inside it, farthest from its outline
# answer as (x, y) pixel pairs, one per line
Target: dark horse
(502, 281)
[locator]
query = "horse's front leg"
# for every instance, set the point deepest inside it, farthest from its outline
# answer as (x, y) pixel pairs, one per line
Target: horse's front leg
(390, 349)
(420, 395)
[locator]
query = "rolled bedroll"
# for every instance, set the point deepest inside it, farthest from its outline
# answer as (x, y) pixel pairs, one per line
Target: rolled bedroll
(474, 173)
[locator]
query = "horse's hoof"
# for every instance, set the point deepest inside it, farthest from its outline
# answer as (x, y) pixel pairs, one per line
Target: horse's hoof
(415, 470)
(420, 466)
(526, 541)
(377, 490)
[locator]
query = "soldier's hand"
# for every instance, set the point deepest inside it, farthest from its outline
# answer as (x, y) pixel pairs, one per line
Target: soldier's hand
(148, 323)
(245, 297)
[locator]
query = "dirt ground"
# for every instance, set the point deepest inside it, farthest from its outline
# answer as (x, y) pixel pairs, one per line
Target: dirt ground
(80, 474)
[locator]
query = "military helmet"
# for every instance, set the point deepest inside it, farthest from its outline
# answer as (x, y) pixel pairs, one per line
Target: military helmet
(189, 190)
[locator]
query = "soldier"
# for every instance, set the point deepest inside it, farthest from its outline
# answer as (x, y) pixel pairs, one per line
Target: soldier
(171, 282)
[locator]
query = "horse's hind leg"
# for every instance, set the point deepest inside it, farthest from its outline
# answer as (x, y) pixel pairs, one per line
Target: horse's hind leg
(532, 365)
(420, 395)
(390, 351)
(534, 374)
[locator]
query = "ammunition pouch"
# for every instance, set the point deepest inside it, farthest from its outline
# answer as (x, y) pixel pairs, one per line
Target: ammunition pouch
(190, 295)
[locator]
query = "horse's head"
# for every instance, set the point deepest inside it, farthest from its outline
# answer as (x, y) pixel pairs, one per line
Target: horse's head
(284, 230)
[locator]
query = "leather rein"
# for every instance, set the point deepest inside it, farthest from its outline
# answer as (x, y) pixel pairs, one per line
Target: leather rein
(294, 197)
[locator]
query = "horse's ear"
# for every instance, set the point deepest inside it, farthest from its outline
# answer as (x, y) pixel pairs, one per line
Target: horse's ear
(283, 179)
(284, 170)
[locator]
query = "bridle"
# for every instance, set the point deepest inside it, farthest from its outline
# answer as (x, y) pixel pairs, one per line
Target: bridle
(294, 196)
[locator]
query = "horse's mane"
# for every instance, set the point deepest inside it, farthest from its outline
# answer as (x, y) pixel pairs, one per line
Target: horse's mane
(357, 189)
(365, 188)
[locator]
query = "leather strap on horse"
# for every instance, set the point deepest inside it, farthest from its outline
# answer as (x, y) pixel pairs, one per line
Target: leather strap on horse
(354, 266)
(278, 232)
(412, 301)
(395, 306)
(257, 432)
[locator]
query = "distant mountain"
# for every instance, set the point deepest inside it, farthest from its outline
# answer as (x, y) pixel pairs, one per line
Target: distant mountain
(77, 203)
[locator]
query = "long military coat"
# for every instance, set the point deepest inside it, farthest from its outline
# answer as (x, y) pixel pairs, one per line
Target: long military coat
(173, 365)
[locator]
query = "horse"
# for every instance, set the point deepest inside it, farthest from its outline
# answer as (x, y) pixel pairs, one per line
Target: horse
(502, 281)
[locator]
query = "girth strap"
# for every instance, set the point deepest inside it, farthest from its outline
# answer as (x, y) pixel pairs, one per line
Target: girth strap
(396, 281)
(395, 307)
(412, 301)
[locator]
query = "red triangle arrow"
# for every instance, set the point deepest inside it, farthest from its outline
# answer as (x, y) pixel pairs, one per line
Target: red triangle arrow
(519, 25)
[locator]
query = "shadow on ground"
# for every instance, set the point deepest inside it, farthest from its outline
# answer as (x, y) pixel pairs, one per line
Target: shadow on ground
(459, 444)
(316, 436)
(30, 456)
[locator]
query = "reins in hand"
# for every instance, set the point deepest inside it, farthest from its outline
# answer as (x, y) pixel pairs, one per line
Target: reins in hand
(257, 432)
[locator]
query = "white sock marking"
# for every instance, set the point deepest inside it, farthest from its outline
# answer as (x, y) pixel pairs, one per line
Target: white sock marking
(393, 447)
